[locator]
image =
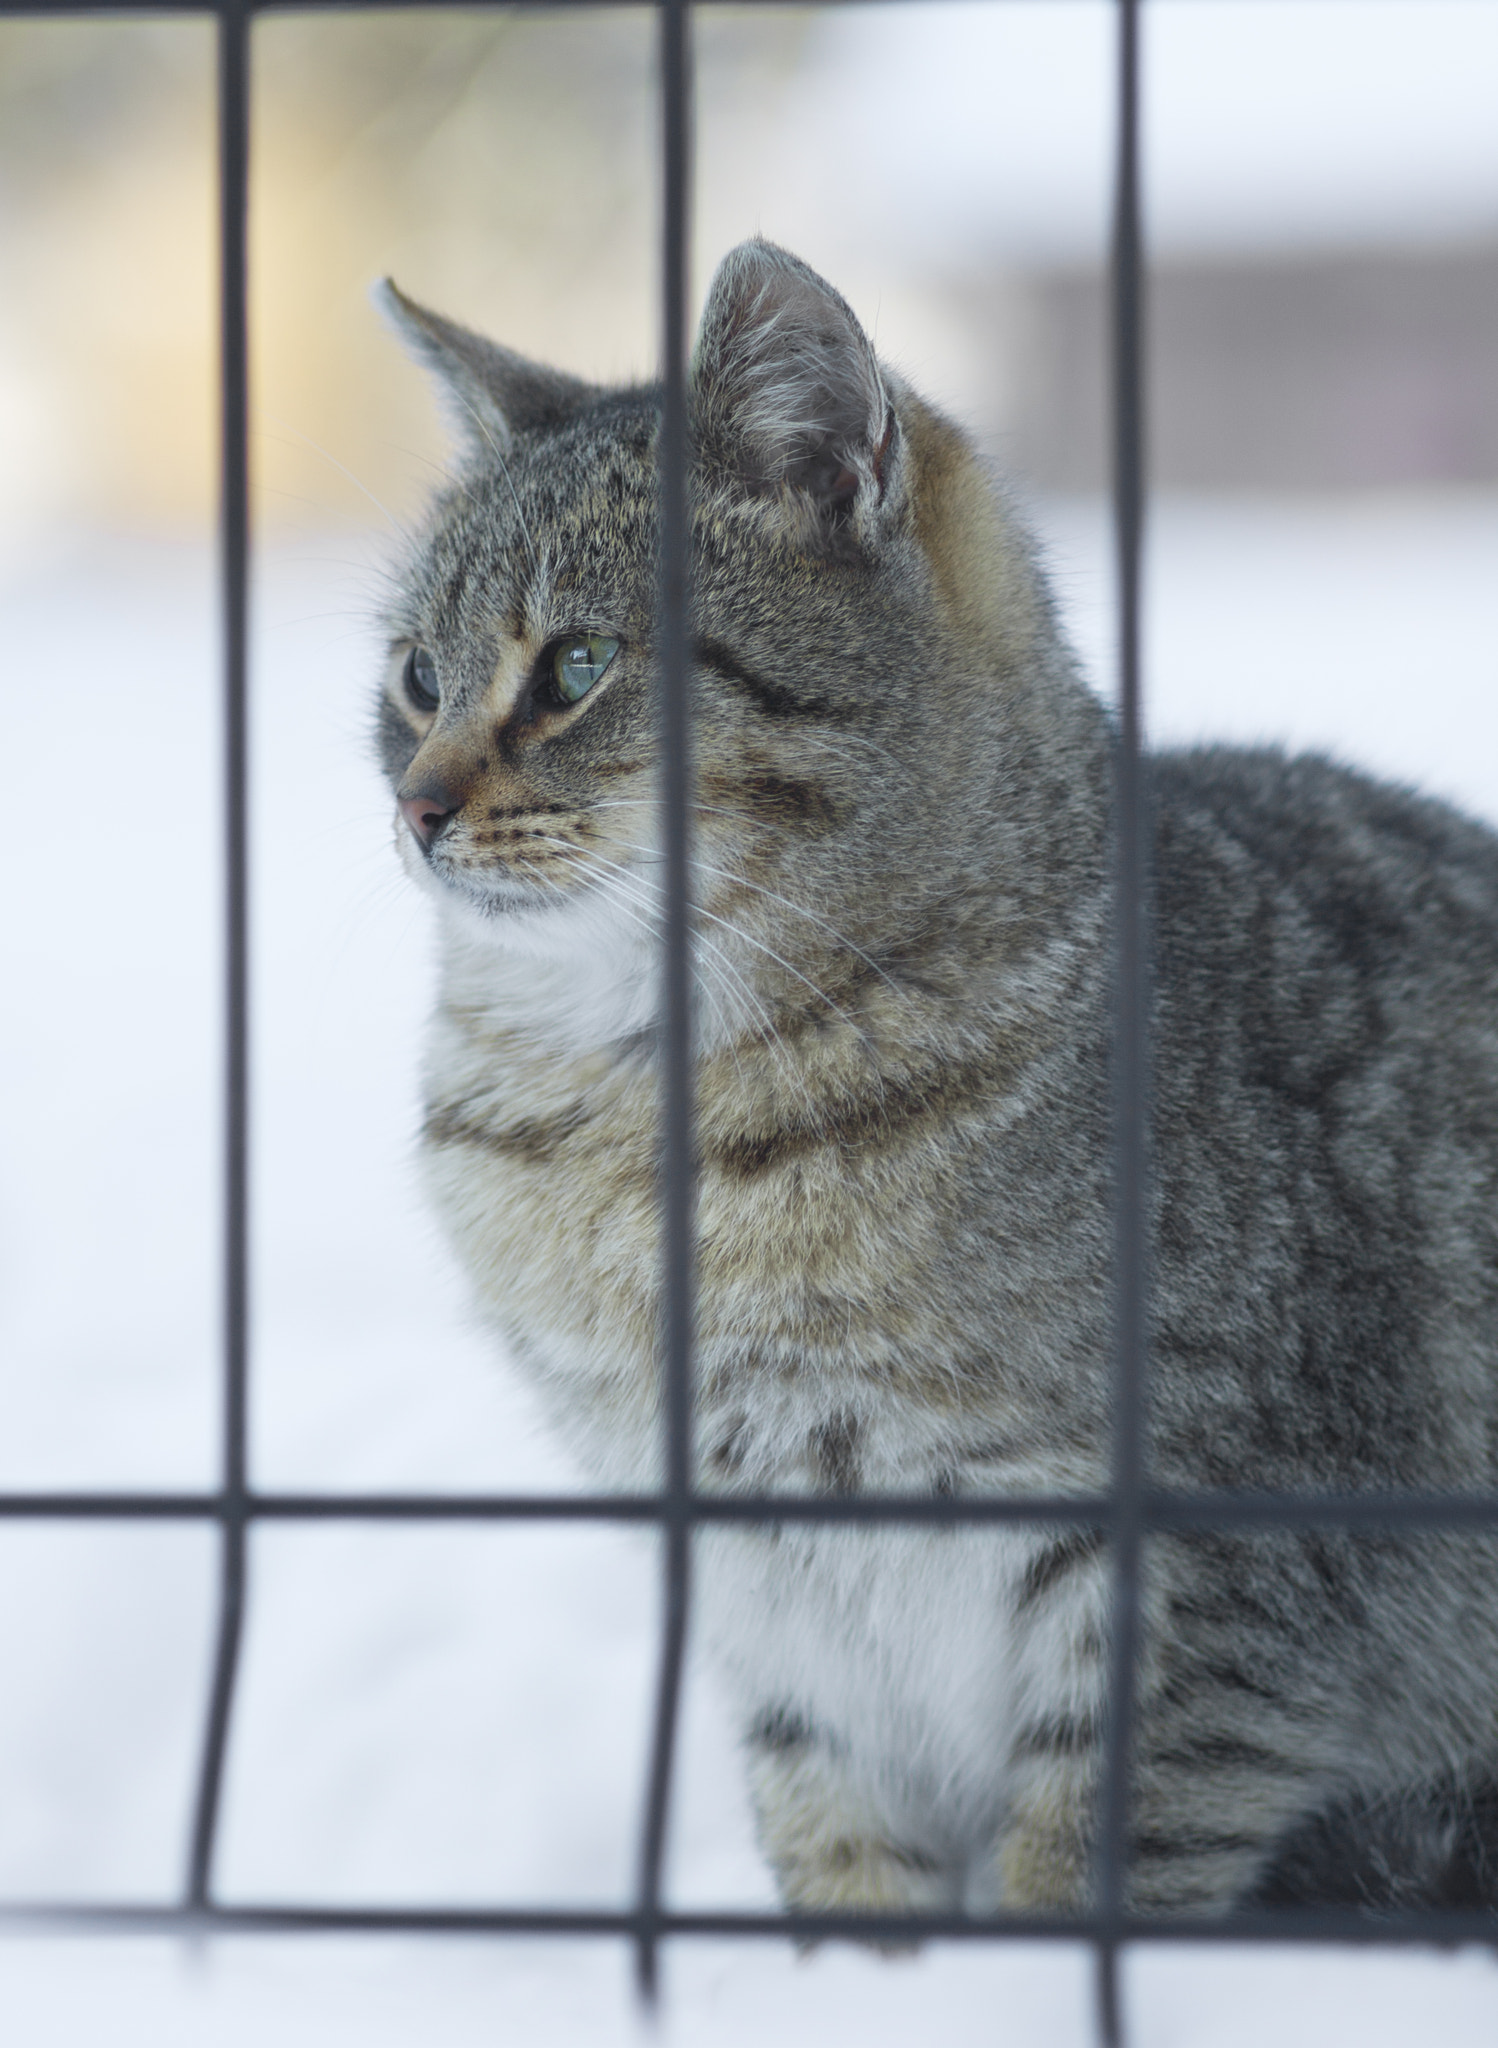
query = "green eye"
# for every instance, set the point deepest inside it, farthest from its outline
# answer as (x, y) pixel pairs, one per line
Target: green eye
(580, 663)
(420, 679)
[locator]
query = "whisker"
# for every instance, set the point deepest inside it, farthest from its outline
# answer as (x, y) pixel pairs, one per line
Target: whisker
(821, 994)
(705, 954)
(504, 466)
(767, 1030)
(831, 745)
(450, 477)
(748, 938)
(401, 532)
(774, 896)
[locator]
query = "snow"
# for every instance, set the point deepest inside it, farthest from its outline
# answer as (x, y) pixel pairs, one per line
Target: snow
(446, 1714)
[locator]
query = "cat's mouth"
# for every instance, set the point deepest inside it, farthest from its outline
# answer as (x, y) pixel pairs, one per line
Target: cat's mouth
(493, 888)
(540, 872)
(495, 894)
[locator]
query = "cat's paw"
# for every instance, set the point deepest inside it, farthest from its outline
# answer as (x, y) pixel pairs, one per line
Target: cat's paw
(1045, 1851)
(828, 1848)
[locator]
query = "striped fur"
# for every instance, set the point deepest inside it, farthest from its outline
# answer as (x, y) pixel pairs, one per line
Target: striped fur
(902, 1086)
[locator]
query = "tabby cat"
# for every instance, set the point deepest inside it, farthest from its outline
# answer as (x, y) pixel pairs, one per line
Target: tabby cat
(902, 1056)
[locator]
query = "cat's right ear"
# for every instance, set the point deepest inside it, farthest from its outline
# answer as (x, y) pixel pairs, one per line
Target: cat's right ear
(488, 393)
(787, 396)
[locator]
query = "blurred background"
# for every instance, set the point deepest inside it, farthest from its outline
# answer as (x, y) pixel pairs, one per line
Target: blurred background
(1322, 198)
(458, 1715)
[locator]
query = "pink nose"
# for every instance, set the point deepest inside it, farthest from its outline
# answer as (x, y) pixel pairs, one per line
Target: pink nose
(424, 815)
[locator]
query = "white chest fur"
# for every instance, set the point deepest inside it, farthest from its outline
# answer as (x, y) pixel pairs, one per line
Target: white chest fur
(897, 1646)
(894, 1646)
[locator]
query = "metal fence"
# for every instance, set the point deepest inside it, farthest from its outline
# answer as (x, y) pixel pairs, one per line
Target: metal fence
(1126, 1512)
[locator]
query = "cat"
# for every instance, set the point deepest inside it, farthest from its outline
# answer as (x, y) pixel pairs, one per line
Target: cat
(904, 1264)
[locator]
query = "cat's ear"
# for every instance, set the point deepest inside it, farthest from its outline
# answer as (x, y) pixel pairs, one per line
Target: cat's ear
(489, 393)
(786, 390)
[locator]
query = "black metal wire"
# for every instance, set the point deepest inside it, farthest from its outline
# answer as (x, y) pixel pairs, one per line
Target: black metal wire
(146, 10)
(1327, 1925)
(234, 152)
(1127, 1511)
(676, 973)
(1173, 1511)
(1130, 1035)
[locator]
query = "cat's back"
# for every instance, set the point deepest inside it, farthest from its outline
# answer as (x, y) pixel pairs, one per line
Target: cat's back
(1365, 858)
(1324, 918)
(1326, 1117)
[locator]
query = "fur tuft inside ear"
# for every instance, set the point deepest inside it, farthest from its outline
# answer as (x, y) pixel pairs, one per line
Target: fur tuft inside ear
(489, 393)
(785, 387)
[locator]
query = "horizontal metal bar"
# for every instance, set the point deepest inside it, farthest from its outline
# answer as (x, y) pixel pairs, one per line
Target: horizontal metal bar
(108, 1507)
(1336, 1926)
(1179, 1513)
(148, 10)
(137, 10)
(608, 1507)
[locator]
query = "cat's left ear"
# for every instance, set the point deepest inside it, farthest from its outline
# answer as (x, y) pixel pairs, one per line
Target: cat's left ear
(786, 390)
(489, 393)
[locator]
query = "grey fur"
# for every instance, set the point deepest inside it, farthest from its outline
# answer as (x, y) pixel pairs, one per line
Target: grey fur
(905, 1143)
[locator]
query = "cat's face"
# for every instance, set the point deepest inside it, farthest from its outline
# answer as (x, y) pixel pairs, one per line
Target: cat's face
(518, 718)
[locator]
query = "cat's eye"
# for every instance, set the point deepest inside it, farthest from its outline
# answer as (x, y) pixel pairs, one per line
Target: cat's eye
(579, 663)
(419, 680)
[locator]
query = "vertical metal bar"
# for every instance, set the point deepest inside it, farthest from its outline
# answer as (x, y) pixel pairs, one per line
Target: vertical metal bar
(233, 117)
(1130, 1047)
(676, 968)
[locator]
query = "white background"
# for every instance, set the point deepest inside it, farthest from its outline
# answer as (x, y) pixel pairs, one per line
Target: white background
(459, 1716)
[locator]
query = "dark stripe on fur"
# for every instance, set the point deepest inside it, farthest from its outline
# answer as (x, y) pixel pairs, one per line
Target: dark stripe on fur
(772, 698)
(727, 1454)
(1166, 1848)
(914, 1859)
(533, 1140)
(1059, 1735)
(1050, 1566)
(778, 799)
(849, 1124)
(1228, 1752)
(1227, 1678)
(836, 1448)
(1231, 1607)
(780, 1729)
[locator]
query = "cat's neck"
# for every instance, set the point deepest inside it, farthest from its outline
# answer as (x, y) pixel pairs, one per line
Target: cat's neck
(570, 982)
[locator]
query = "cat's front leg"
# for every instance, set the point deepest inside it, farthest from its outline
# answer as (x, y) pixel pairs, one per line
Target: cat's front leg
(1211, 1787)
(1054, 1753)
(1212, 1793)
(1206, 1816)
(1046, 1846)
(829, 1847)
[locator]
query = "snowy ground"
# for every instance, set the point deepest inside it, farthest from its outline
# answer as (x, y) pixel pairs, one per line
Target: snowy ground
(450, 1715)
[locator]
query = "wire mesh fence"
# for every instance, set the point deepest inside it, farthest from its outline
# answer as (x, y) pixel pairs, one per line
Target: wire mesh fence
(1129, 1511)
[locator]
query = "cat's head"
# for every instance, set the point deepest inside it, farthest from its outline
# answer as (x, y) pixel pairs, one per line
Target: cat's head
(859, 607)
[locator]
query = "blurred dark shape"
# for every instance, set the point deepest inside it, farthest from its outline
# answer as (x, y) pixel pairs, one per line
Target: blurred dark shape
(1436, 1846)
(1332, 372)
